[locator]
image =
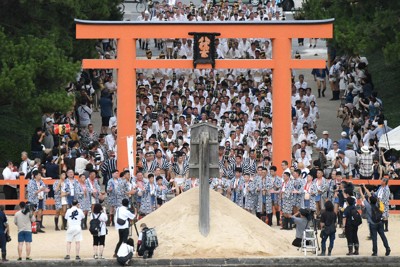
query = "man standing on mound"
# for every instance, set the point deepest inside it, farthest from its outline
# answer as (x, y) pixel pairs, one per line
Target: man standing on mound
(74, 216)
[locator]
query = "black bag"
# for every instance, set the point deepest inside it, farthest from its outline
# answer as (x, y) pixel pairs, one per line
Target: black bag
(355, 219)
(328, 230)
(376, 214)
(95, 226)
(119, 220)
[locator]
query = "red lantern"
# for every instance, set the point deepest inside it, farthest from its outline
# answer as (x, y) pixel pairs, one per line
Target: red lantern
(62, 129)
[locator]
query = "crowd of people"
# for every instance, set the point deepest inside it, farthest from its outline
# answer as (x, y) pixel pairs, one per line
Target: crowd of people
(239, 103)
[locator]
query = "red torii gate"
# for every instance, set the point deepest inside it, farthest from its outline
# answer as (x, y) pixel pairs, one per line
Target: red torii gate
(280, 32)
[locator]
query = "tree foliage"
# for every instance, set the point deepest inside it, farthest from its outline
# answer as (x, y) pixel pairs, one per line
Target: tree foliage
(361, 26)
(39, 56)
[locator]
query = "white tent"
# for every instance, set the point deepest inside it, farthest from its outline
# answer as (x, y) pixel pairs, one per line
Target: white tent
(391, 140)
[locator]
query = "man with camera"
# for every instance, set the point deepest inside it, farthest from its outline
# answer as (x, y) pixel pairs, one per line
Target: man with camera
(23, 219)
(341, 163)
(375, 222)
(123, 215)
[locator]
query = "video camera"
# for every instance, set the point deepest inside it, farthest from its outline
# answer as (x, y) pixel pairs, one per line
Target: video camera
(29, 207)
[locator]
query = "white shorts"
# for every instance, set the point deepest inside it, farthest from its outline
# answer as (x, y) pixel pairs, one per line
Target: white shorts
(64, 201)
(74, 233)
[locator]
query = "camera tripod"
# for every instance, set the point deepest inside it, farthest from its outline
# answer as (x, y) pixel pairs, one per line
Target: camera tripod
(314, 224)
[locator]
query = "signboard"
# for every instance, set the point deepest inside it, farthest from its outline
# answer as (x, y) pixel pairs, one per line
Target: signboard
(204, 48)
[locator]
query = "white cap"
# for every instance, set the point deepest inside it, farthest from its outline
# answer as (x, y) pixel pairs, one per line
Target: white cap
(343, 134)
(325, 132)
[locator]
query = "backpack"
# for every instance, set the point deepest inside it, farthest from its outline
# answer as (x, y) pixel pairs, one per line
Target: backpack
(376, 214)
(151, 238)
(95, 226)
(355, 218)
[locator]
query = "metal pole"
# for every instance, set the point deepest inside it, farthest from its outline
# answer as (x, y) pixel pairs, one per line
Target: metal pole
(204, 195)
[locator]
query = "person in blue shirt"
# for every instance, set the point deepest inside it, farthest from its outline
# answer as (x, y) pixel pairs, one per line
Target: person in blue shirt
(343, 141)
(106, 113)
(375, 223)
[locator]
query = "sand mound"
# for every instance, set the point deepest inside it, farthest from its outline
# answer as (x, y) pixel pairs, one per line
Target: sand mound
(233, 231)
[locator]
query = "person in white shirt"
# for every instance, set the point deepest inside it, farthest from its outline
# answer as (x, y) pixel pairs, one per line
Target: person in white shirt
(99, 240)
(10, 190)
(123, 215)
(301, 83)
(74, 216)
(341, 163)
(333, 153)
(325, 143)
(25, 162)
(81, 162)
(125, 252)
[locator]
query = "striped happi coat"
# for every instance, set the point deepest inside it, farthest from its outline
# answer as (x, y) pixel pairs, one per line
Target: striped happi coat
(287, 196)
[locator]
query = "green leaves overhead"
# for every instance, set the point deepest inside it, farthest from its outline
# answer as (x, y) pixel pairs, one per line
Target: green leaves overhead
(361, 26)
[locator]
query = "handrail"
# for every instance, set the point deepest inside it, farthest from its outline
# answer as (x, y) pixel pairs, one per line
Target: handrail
(22, 182)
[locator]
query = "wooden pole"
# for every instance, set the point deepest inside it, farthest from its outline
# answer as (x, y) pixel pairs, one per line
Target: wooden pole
(204, 192)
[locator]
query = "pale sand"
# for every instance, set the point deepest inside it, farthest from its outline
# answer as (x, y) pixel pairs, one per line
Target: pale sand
(234, 233)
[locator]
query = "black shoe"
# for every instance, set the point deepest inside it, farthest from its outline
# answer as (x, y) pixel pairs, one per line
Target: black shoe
(387, 252)
(145, 254)
(386, 230)
(40, 231)
(67, 257)
(77, 258)
(374, 255)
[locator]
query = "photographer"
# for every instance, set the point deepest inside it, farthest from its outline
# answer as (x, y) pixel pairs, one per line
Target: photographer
(122, 217)
(4, 234)
(351, 220)
(302, 219)
(125, 252)
(341, 162)
(147, 242)
(374, 217)
(328, 226)
(23, 219)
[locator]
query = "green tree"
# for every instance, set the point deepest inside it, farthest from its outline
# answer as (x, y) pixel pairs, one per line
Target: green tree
(39, 56)
(360, 26)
